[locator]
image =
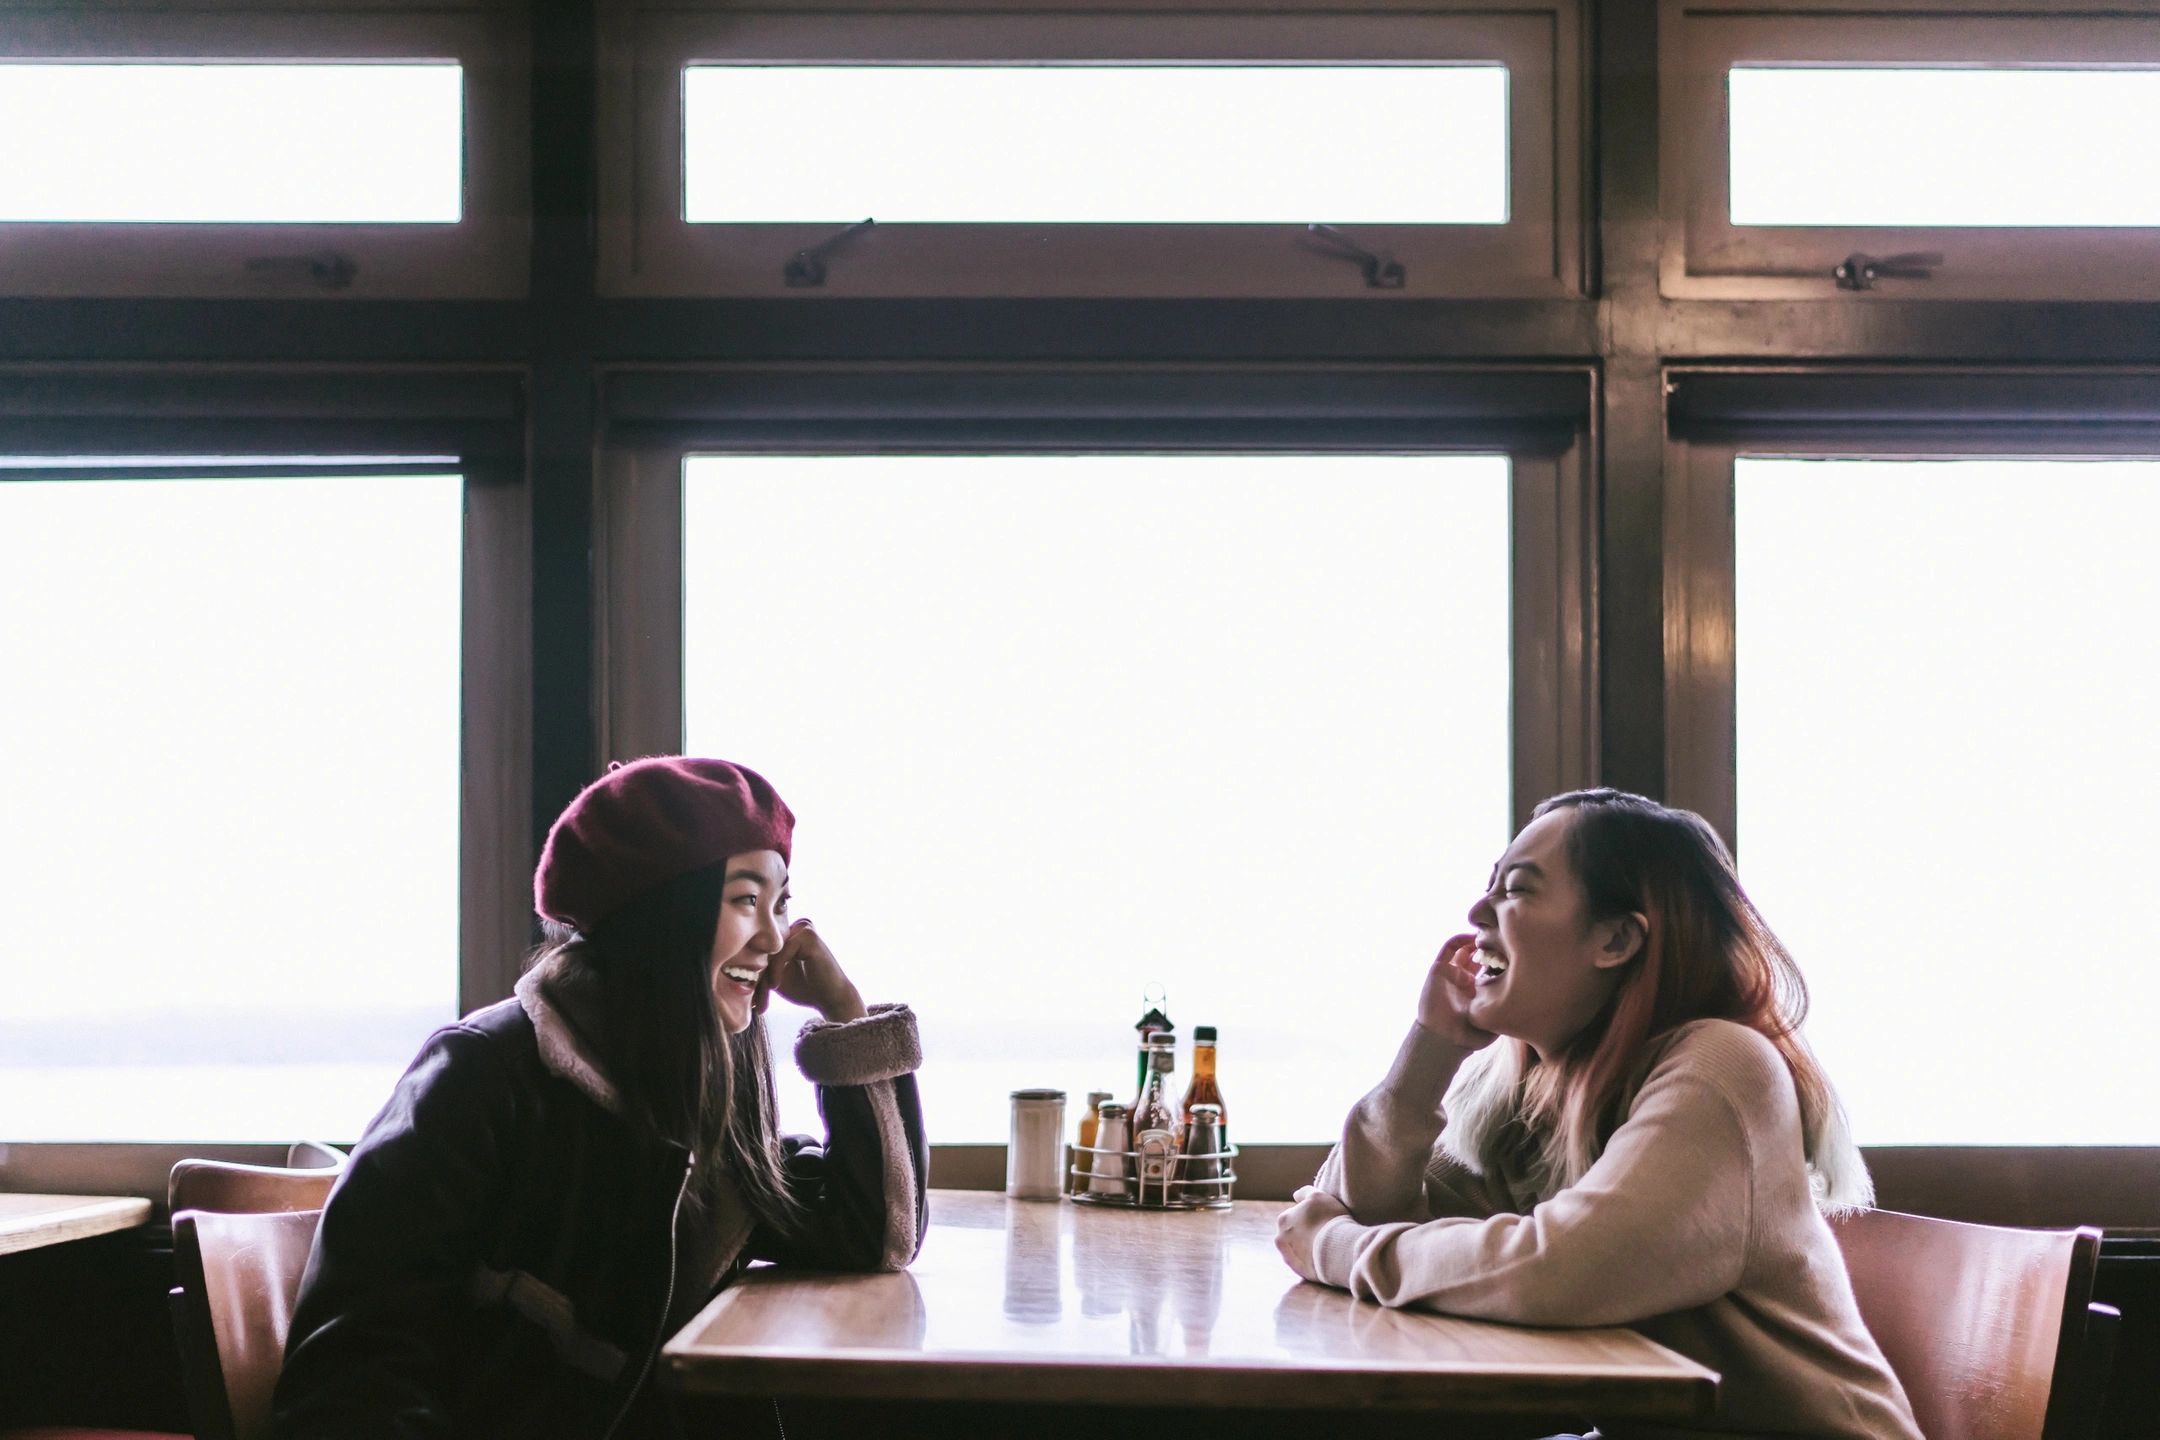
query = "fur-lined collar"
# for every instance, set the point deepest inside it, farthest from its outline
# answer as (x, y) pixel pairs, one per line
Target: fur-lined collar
(560, 1048)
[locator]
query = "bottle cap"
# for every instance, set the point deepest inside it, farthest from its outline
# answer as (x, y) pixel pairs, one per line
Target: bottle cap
(1205, 1033)
(1038, 1094)
(1113, 1108)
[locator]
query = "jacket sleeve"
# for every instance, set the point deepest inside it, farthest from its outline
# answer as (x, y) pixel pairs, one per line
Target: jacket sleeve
(1388, 1165)
(863, 1193)
(1661, 1222)
(383, 1298)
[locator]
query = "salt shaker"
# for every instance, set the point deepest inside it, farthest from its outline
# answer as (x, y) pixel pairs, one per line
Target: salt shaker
(1109, 1166)
(1038, 1138)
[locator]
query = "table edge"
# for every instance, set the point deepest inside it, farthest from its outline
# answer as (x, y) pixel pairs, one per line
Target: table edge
(1620, 1391)
(97, 1215)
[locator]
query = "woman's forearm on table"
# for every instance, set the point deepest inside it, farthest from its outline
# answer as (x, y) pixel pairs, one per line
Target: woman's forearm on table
(1378, 1169)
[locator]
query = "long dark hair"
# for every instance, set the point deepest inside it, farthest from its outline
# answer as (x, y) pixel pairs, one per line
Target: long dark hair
(1709, 954)
(641, 984)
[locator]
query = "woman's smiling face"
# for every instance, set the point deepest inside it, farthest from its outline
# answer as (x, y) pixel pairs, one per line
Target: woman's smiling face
(753, 925)
(1548, 969)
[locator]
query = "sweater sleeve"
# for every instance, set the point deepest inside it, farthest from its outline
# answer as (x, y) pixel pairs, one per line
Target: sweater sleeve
(1387, 1166)
(1661, 1221)
(371, 1350)
(863, 1192)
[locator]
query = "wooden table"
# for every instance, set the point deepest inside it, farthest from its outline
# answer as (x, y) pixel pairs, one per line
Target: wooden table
(1056, 1305)
(29, 1221)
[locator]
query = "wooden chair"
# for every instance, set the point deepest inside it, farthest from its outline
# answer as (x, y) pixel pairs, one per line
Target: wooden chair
(239, 1277)
(1993, 1332)
(231, 1188)
(241, 1235)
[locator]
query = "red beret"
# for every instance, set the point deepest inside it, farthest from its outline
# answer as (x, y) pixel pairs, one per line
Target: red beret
(646, 823)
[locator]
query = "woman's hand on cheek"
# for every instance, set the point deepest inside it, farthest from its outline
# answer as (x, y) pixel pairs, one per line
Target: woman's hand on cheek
(1444, 1004)
(1297, 1230)
(805, 973)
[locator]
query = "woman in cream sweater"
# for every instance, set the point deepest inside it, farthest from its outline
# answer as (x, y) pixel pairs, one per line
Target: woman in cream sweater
(1606, 1115)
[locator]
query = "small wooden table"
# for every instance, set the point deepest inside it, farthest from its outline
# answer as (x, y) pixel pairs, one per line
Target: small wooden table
(29, 1221)
(1052, 1304)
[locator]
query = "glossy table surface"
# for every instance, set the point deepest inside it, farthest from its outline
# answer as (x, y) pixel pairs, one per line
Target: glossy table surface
(28, 1221)
(1049, 1301)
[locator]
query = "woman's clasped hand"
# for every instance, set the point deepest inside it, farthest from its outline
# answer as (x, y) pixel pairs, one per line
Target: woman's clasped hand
(1297, 1229)
(1450, 989)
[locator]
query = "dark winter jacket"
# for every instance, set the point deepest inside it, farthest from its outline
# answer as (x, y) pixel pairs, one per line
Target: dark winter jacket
(499, 1256)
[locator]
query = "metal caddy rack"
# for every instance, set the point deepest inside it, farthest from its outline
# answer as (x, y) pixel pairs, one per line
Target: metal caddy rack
(1200, 1181)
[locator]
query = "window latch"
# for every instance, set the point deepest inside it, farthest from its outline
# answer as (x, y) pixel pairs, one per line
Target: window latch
(1382, 270)
(326, 269)
(1860, 272)
(807, 267)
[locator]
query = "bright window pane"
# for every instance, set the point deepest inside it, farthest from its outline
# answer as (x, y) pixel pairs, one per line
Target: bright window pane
(1059, 728)
(229, 826)
(253, 144)
(1105, 144)
(1945, 147)
(1948, 674)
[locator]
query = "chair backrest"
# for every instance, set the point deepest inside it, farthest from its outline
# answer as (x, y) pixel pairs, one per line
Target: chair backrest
(1984, 1326)
(313, 1155)
(239, 1276)
(229, 1187)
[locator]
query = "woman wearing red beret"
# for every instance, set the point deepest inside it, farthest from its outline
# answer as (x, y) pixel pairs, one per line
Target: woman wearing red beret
(561, 1180)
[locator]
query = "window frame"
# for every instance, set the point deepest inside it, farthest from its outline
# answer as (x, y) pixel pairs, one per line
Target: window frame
(1718, 414)
(484, 255)
(1705, 256)
(1715, 414)
(647, 249)
(1539, 416)
(473, 413)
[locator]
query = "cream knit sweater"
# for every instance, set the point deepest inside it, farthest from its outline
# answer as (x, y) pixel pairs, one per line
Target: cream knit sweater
(1696, 1227)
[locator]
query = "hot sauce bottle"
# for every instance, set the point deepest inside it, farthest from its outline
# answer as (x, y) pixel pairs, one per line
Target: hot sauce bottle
(1203, 1089)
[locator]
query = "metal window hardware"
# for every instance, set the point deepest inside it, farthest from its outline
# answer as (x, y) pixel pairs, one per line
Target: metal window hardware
(1382, 270)
(807, 268)
(327, 269)
(1860, 272)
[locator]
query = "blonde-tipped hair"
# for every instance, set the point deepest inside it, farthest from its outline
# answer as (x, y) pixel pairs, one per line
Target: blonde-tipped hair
(1708, 955)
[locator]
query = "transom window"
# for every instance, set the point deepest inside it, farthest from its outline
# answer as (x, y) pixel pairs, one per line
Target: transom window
(1909, 148)
(1355, 150)
(267, 152)
(1096, 144)
(1933, 151)
(201, 143)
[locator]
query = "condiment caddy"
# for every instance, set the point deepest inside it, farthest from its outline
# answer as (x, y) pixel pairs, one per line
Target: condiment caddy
(1149, 1155)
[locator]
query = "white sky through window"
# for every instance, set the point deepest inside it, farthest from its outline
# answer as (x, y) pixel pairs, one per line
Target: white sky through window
(1903, 146)
(1947, 677)
(231, 143)
(1061, 727)
(1097, 144)
(229, 834)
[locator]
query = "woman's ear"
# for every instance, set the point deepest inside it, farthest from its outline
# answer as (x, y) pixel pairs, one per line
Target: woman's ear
(1625, 937)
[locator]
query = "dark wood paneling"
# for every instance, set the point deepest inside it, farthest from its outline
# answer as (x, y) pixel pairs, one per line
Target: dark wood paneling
(558, 337)
(86, 1336)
